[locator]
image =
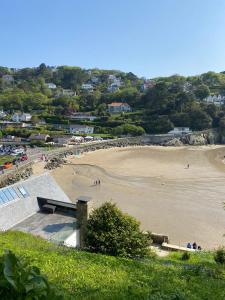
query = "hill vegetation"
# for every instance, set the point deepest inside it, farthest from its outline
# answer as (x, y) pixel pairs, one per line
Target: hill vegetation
(82, 275)
(54, 93)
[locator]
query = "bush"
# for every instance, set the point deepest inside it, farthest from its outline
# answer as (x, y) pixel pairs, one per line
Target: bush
(21, 281)
(128, 129)
(220, 256)
(185, 256)
(109, 231)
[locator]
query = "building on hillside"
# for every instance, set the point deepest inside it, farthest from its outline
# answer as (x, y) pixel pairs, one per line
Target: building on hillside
(112, 77)
(94, 79)
(2, 114)
(62, 139)
(82, 117)
(180, 131)
(68, 92)
(21, 117)
(87, 87)
(51, 86)
(148, 84)
(8, 78)
(80, 129)
(118, 107)
(39, 137)
(215, 99)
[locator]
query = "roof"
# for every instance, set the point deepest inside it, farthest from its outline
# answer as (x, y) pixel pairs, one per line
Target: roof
(79, 126)
(39, 136)
(118, 104)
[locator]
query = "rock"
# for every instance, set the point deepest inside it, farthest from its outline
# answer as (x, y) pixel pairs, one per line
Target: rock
(174, 142)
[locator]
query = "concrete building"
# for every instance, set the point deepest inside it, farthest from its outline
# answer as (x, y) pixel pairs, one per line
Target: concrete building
(180, 131)
(218, 100)
(21, 117)
(51, 85)
(39, 137)
(8, 78)
(40, 207)
(87, 87)
(118, 107)
(81, 129)
(82, 116)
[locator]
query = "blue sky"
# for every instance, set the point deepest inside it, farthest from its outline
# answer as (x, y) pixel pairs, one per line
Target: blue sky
(147, 37)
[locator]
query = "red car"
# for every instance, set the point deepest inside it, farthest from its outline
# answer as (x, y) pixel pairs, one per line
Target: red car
(23, 157)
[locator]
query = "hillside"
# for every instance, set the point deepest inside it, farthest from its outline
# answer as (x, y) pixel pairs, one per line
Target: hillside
(81, 275)
(54, 95)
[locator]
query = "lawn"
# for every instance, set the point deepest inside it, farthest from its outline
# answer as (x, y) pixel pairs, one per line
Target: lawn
(82, 275)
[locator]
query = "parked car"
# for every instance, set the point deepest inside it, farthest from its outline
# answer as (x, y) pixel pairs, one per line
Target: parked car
(18, 151)
(8, 165)
(24, 157)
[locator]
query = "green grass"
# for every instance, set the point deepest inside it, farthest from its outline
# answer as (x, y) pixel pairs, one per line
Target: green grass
(82, 275)
(5, 158)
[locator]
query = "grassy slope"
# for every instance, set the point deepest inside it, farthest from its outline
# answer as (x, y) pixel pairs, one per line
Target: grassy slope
(83, 275)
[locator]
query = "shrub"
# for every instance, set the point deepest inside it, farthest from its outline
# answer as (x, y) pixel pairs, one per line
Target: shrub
(21, 281)
(109, 231)
(185, 256)
(220, 256)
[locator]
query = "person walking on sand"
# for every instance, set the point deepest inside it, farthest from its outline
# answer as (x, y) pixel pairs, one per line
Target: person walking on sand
(99, 182)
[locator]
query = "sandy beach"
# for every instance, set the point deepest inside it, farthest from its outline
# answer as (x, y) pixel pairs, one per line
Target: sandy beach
(154, 185)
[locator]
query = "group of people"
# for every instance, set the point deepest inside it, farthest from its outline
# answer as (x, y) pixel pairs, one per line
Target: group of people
(97, 182)
(194, 246)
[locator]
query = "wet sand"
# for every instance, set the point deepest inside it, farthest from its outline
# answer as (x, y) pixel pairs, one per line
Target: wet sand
(154, 185)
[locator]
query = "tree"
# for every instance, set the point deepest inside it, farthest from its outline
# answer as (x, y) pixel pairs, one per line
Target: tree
(128, 129)
(200, 120)
(202, 91)
(110, 231)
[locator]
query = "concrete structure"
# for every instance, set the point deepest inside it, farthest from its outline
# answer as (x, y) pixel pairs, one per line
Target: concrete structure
(39, 137)
(68, 92)
(84, 208)
(83, 116)
(81, 129)
(8, 78)
(51, 85)
(87, 87)
(21, 117)
(218, 100)
(40, 207)
(118, 107)
(180, 130)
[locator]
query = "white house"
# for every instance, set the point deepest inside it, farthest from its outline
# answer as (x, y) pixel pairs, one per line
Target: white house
(215, 99)
(81, 129)
(21, 117)
(94, 79)
(118, 107)
(2, 114)
(87, 87)
(8, 78)
(68, 92)
(180, 130)
(51, 85)
(83, 117)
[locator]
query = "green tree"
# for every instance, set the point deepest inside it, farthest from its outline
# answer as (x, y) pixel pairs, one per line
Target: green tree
(110, 231)
(202, 91)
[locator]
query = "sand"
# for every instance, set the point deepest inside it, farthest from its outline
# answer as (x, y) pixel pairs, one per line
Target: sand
(154, 185)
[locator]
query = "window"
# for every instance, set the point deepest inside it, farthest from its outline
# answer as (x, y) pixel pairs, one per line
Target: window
(23, 191)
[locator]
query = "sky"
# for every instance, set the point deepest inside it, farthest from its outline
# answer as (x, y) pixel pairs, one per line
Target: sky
(147, 37)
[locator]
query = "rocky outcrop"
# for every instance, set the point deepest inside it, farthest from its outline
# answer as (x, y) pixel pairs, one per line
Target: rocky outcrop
(174, 142)
(17, 176)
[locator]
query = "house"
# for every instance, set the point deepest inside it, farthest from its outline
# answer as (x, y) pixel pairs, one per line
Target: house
(2, 114)
(113, 88)
(215, 99)
(82, 116)
(21, 117)
(87, 87)
(112, 77)
(180, 130)
(80, 129)
(62, 140)
(51, 85)
(39, 137)
(68, 92)
(95, 79)
(118, 107)
(148, 84)
(8, 78)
